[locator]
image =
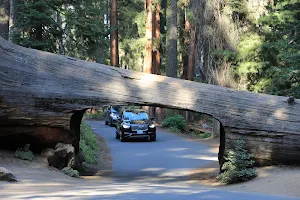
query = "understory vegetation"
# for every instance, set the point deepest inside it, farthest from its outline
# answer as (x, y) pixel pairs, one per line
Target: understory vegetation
(175, 123)
(239, 165)
(70, 172)
(89, 144)
(24, 153)
(97, 114)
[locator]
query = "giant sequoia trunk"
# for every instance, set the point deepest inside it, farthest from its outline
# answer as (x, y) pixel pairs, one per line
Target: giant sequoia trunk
(114, 38)
(148, 65)
(43, 96)
(172, 40)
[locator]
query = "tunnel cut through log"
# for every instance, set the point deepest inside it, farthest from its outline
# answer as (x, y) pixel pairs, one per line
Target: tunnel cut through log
(40, 89)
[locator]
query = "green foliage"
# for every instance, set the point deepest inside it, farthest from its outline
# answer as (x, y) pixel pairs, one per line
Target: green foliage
(238, 166)
(89, 144)
(205, 135)
(70, 172)
(175, 123)
(68, 27)
(99, 115)
(38, 29)
(87, 31)
(24, 153)
(131, 28)
(281, 49)
(269, 57)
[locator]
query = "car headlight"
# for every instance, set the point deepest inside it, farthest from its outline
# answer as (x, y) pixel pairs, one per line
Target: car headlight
(152, 126)
(126, 126)
(113, 115)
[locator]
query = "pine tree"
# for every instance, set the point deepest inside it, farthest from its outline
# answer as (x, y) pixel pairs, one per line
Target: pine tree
(238, 166)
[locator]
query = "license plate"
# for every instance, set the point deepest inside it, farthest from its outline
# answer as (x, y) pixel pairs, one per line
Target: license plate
(140, 132)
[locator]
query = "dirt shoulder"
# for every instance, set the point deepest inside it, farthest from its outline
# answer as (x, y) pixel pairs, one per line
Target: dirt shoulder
(281, 180)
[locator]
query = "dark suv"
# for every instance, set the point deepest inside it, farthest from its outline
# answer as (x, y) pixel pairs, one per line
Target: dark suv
(111, 114)
(135, 124)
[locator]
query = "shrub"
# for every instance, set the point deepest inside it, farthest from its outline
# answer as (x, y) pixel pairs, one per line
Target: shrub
(89, 144)
(238, 166)
(70, 172)
(175, 123)
(24, 153)
(205, 135)
(99, 115)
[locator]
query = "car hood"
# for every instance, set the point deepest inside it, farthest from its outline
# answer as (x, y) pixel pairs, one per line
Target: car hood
(138, 121)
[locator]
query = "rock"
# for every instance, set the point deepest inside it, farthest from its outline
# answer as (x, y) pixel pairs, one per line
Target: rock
(205, 126)
(47, 152)
(6, 175)
(63, 156)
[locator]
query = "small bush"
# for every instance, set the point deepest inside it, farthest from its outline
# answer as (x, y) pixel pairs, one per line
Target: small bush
(175, 123)
(24, 153)
(205, 135)
(239, 165)
(89, 144)
(70, 172)
(99, 115)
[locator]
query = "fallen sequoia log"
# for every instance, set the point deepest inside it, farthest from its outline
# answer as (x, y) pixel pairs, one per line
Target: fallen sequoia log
(43, 97)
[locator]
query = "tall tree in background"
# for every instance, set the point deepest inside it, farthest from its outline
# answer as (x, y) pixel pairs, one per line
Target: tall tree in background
(156, 35)
(172, 40)
(114, 44)
(11, 17)
(149, 38)
(159, 112)
(4, 18)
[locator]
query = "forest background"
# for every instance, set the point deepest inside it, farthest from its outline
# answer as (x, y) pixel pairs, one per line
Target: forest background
(249, 45)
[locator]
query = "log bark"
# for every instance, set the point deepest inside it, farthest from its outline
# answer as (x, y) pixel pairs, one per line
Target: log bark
(40, 89)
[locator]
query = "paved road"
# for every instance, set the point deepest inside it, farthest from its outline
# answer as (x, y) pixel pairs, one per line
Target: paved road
(152, 170)
(170, 156)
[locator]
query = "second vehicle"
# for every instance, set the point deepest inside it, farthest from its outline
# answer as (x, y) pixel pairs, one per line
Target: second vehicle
(135, 124)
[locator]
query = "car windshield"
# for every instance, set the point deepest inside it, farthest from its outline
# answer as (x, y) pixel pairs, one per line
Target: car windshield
(136, 116)
(115, 109)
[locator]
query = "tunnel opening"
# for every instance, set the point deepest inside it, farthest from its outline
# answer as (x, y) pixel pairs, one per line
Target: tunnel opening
(99, 118)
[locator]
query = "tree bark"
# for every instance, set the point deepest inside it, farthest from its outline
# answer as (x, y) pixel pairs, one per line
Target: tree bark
(61, 46)
(4, 19)
(149, 37)
(172, 40)
(156, 34)
(11, 17)
(114, 44)
(40, 91)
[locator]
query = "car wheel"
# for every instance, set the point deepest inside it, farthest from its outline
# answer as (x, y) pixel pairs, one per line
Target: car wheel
(117, 136)
(122, 139)
(110, 122)
(153, 138)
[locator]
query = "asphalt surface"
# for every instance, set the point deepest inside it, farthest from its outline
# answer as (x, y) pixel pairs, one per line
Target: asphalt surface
(169, 155)
(154, 170)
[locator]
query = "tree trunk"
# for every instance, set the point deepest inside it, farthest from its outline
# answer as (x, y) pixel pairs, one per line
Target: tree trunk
(182, 36)
(156, 34)
(4, 19)
(114, 44)
(216, 129)
(11, 18)
(149, 37)
(40, 91)
(172, 40)
(61, 46)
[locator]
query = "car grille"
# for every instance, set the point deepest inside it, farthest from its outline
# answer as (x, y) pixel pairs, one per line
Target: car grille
(139, 127)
